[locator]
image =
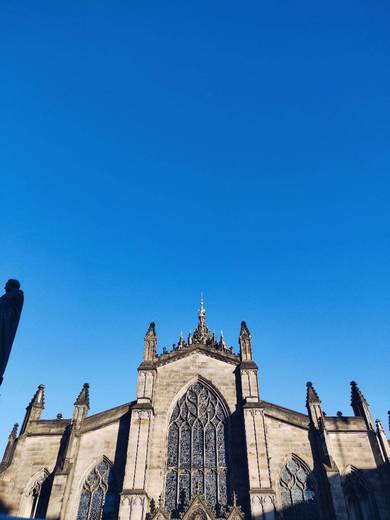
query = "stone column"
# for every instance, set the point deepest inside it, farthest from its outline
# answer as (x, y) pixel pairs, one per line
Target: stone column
(262, 495)
(323, 455)
(68, 452)
(134, 498)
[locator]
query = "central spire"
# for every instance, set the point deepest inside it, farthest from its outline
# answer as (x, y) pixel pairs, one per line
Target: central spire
(202, 333)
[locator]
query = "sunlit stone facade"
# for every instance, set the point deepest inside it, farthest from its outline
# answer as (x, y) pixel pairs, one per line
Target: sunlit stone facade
(198, 443)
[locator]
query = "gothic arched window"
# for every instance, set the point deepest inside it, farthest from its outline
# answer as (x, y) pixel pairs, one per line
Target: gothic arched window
(97, 500)
(297, 493)
(197, 455)
(361, 504)
(35, 500)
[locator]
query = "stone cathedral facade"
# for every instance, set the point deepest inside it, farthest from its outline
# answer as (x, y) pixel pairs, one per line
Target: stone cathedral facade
(198, 443)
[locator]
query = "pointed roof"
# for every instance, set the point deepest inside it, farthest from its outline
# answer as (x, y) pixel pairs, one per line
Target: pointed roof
(356, 394)
(311, 394)
(198, 502)
(14, 431)
(83, 397)
(151, 330)
(235, 512)
(38, 399)
(244, 331)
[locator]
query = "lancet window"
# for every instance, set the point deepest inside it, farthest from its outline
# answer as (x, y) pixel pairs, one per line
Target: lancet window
(38, 499)
(297, 492)
(97, 499)
(35, 499)
(197, 451)
(360, 503)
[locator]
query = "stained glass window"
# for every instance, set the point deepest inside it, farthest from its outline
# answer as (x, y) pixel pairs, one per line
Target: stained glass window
(197, 458)
(297, 493)
(97, 499)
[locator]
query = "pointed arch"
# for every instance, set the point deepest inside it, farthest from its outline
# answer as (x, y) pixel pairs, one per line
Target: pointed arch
(197, 448)
(34, 497)
(97, 495)
(207, 383)
(297, 489)
(359, 496)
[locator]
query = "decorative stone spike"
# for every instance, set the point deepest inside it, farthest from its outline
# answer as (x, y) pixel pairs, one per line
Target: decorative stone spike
(38, 399)
(245, 341)
(202, 333)
(222, 343)
(383, 442)
(311, 394)
(150, 343)
(360, 406)
(14, 431)
(181, 342)
(34, 409)
(356, 394)
(83, 397)
(10, 448)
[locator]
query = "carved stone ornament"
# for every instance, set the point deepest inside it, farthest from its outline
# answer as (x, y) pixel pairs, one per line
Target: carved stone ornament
(198, 509)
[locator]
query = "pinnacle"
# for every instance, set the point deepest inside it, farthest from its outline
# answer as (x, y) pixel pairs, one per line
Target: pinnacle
(151, 329)
(356, 393)
(202, 332)
(83, 397)
(38, 399)
(14, 431)
(244, 329)
(311, 394)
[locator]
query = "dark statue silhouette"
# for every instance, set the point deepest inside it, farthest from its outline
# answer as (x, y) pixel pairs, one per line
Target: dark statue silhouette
(11, 304)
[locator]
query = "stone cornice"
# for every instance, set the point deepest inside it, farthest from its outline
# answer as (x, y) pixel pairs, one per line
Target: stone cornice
(248, 365)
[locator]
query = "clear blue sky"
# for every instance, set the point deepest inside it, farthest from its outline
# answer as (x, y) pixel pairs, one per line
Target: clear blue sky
(153, 150)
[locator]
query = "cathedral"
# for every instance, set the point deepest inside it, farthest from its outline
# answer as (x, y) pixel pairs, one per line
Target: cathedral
(198, 443)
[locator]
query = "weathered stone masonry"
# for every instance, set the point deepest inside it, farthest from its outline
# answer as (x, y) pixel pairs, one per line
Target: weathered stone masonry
(198, 442)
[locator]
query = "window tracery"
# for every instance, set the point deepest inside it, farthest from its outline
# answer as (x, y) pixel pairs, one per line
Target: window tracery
(360, 503)
(97, 500)
(297, 492)
(197, 458)
(35, 499)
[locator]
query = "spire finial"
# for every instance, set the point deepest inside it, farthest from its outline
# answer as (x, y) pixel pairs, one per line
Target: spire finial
(202, 310)
(356, 393)
(38, 399)
(83, 397)
(311, 394)
(14, 431)
(202, 333)
(245, 342)
(360, 406)
(150, 343)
